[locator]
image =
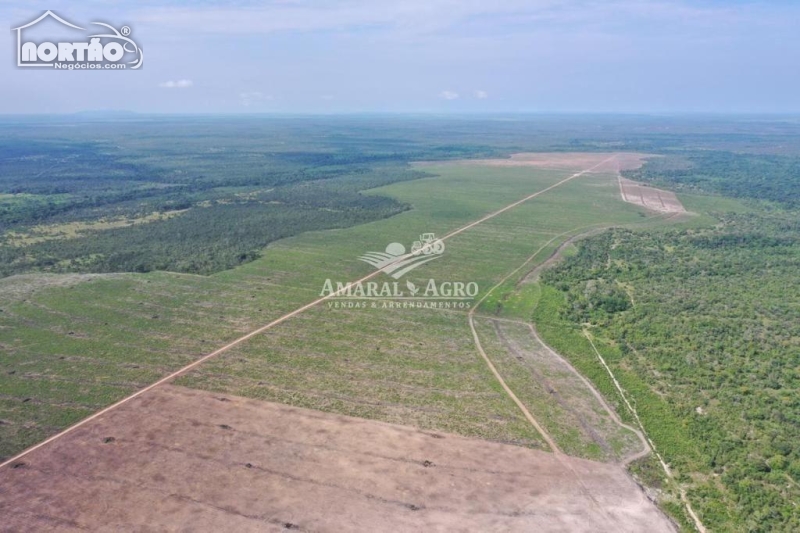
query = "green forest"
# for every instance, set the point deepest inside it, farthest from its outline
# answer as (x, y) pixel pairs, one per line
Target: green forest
(230, 186)
(705, 320)
(740, 175)
(196, 195)
(212, 234)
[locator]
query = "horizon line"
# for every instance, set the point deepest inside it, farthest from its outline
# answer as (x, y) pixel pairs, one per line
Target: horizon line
(111, 112)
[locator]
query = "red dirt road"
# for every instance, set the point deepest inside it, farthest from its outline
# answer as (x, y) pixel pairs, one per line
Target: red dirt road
(187, 460)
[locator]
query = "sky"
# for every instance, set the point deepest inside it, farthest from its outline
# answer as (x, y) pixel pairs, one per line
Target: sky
(430, 56)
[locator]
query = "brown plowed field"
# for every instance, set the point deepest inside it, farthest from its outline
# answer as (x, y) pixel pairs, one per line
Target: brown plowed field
(556, 160)
(650, 197)
(177, 459)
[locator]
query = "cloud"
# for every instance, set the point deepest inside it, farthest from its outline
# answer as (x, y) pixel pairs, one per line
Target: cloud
(249, 98)
(448, 95)
(481, 95)
(179, 84)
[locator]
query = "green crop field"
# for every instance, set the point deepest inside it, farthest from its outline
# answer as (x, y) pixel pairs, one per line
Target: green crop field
(74, 343)
(415, 366)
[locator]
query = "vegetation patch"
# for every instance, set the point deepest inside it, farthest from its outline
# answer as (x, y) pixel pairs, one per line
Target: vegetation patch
(763, 176)
(713, 340)
(74, 230)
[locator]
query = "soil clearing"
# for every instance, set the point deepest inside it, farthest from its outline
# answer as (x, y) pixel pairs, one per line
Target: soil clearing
(552, 160)
(649, 197)
(182, 459)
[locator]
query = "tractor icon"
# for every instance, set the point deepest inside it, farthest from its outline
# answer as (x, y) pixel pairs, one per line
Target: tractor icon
(396, 262)
(427, 244)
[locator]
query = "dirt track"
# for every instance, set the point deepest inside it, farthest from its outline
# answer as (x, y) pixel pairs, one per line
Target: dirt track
(580, 414)
(187, 460)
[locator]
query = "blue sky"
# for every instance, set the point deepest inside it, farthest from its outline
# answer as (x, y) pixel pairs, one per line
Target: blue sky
(437, 56)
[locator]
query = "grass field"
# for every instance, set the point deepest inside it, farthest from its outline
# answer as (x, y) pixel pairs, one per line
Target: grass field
(417, 366)
(75, 343)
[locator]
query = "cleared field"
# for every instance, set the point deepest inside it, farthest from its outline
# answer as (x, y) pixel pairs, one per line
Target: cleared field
(369, 365)
(74, 344)
(200, 461)
(565, 160)
(73, 348)
(80, 344)
(419, 366)
(650, 197)
(580, 422)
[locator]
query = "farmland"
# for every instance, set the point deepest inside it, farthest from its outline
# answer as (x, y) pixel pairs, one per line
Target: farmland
(413, 367)
(86, 320)
(267, 461)
(435, 378)
(87, 351)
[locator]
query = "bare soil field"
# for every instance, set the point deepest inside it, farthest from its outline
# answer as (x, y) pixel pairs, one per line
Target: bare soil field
(177, 459)
(554, 160)
(650, 197)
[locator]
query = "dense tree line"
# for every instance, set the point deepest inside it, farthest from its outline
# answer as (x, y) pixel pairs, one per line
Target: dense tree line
(709, 319)
(213, 235)
(242, 185)
(766, 177)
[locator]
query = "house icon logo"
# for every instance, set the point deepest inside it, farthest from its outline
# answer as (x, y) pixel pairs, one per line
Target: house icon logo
(112, 49)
